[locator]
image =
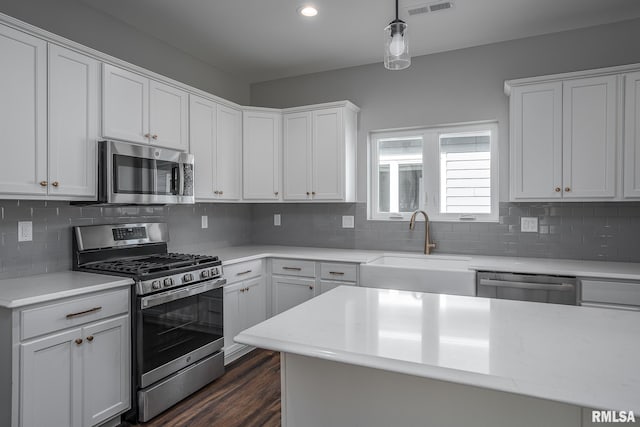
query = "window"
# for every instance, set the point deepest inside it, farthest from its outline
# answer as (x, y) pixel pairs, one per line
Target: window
(451, 172)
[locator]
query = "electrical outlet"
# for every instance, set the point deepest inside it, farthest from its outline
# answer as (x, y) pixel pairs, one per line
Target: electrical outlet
(205, 221)
(348, 221)
(529, 224)
(277, 220)
(25, 231)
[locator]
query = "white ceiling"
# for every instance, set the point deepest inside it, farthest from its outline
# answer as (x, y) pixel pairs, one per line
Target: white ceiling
(259, 40)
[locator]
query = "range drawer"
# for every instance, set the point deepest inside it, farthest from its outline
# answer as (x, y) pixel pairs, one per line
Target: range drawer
(241, 271)
(294, 267)
(53, 317)
(339, 271)
(606, 291)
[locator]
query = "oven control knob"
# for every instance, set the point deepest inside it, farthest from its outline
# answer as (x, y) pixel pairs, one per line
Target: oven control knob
(214, 271)
(156, 284)
(168, 282)
(204, 274)
(187, 277)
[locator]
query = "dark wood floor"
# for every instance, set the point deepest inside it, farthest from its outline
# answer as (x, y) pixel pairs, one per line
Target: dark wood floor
(248, 394)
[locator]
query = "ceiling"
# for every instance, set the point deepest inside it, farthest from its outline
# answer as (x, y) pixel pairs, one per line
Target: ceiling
(259, 40)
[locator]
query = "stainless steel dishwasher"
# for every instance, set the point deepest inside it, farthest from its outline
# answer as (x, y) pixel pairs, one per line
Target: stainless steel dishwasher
(527, 287)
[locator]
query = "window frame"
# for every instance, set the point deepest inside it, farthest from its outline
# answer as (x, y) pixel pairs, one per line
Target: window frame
(431, 171)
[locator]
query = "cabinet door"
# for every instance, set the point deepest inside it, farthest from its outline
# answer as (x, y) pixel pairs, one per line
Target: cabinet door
(255, 301)
(536, 142)
(23, 113)
(168, 116)
(297, 156)
(229, 153)
(74, 95)
(202, 123)
(327, 285)
(631, 183)
(233, 321)
(290, 291)
(328, 155)
(125, 105)
(589, 138)
(50, 381)
(261, 143)
(106, 369)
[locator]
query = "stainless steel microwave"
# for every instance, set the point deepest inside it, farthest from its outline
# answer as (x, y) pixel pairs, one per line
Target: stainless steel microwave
(143, 174)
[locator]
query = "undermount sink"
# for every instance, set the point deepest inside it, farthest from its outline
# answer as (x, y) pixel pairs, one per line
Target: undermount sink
(421, 273)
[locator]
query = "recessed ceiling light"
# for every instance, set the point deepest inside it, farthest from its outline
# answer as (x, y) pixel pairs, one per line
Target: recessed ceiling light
(308, 11)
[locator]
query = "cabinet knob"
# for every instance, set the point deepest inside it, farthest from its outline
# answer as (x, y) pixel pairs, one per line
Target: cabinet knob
(246, 289)
(154, 137)
(216, 192)
(221, 193)
(147, 135)
(275, 192)
(313, 193)
(557, 189)
(308, 193)
(43, 183)
(55, 183)
(90, 338)
(567, 189)
(311, 287)
(78, 341)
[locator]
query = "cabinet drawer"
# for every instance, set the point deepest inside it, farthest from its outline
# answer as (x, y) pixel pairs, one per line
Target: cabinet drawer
(54, 317)
(241, 271)
(339, 271)
(294, 267)
(611, 292)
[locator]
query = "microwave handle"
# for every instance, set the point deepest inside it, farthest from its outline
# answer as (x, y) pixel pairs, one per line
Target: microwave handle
(181, 173)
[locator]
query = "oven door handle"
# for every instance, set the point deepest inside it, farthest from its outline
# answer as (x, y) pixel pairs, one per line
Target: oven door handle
(174, 294)
(561, 287)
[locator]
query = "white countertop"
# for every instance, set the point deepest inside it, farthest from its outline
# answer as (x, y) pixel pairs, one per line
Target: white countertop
(27, 290)
(578, 355)
(560, 267)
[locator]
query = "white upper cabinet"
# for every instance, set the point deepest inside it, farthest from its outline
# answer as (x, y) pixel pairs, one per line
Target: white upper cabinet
(319, 153)
(229, 153)
(138, 109)
(23, 114)
(261, 148)
(563, 140)
(74, 104)
(631, 182)
(216, 143)
(589, 138)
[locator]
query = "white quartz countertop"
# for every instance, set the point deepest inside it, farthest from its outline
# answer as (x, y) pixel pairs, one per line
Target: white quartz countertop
(577, 355)
(27, 290)
(561, 267)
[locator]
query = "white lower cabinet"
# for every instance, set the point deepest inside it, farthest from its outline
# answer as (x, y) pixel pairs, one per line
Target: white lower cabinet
(245, 304)
(291, 291)
(72, 361)
(610, 293)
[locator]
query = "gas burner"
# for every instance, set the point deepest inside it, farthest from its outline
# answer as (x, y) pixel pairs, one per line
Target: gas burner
(152, 264)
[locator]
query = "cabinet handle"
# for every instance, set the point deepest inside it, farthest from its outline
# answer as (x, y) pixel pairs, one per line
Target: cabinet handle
(55, 183)
(337, 273)
(221, 192)
(90, 338)
(243, 272)
(557, 189)
(567, 189)
(246, 289)
(242, 290)
(154, 137)
(292, 268)
(275, 192)
(82, 313)
(43, 183)
(147, 135)
(78, 341)
(308, 193)
(216, 192)
(311, 287)
(313, 193)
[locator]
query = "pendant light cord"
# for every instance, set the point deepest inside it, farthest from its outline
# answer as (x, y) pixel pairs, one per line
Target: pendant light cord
(396, 10)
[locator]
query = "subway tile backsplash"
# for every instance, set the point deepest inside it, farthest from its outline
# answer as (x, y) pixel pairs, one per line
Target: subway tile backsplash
(587, 231)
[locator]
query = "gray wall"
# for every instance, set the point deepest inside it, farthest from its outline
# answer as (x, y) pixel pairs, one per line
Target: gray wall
(453, 87)
(81, 23)
(50, 250)
(586, 231)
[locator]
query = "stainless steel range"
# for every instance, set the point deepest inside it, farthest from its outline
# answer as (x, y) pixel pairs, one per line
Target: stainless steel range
(177, 321)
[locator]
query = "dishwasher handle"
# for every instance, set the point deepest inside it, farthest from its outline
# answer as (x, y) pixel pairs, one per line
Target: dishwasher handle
(562, 287)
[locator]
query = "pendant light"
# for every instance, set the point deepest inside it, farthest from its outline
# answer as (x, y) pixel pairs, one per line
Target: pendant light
(396, 46)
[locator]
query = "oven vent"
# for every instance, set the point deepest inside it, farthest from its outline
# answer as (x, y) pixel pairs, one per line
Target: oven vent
(429, 8)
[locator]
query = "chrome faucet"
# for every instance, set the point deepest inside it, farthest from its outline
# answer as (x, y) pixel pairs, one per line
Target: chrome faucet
(428, 246)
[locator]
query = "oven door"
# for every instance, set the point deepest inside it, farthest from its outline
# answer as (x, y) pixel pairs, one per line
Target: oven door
(178, 327)
(145, 174)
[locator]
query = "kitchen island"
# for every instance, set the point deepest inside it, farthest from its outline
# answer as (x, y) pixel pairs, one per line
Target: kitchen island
(373, 357)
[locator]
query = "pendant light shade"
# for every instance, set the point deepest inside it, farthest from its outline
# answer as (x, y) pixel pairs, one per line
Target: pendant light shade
(396, 44)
